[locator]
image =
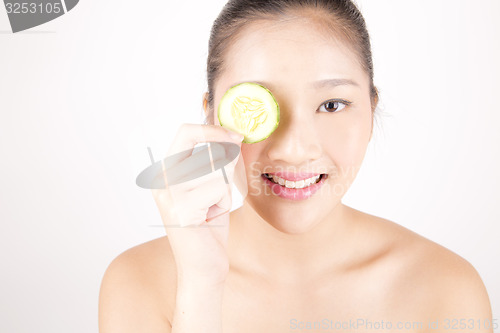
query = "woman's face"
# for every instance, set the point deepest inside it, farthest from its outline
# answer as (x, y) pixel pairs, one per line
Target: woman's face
(303, 68)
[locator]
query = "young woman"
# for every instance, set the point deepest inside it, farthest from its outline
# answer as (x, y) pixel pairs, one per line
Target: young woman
(288, 258)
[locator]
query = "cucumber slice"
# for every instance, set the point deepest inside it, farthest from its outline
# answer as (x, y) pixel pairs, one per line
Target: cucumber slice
(251, 110)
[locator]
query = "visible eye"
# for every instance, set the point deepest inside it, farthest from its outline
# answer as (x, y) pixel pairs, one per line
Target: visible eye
(333, 105)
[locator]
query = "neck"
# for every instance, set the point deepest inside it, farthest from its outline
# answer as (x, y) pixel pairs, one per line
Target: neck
(268, 252)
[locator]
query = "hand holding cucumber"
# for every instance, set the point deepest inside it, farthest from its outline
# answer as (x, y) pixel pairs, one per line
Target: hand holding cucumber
(199, 247)
(248, 111)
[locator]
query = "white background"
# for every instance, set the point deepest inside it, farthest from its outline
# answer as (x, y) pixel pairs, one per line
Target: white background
(82, 97)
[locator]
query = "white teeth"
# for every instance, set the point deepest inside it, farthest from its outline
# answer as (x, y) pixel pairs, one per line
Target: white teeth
(295, 184)
(299, 184)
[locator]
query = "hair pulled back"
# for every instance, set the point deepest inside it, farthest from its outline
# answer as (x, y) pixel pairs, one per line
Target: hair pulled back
(342, 17)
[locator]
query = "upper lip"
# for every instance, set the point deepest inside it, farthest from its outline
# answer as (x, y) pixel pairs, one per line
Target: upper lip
(294, 176)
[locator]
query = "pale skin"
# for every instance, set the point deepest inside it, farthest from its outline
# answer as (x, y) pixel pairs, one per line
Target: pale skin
(280, 262)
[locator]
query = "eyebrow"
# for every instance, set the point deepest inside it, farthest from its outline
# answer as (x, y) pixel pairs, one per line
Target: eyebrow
(332, 83)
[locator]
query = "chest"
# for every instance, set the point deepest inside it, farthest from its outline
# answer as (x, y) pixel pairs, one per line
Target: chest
(318, 307)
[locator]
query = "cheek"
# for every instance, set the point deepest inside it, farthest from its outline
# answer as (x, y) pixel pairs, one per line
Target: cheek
(250, 153)
(252, 169)
(345, 138)
(215, 119)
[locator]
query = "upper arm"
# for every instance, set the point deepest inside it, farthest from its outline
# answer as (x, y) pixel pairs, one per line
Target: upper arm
(128, 300)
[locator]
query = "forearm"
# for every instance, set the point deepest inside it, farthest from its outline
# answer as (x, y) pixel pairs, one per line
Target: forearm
(198, 308)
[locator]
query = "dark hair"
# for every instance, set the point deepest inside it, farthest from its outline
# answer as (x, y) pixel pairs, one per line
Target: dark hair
(342, 16)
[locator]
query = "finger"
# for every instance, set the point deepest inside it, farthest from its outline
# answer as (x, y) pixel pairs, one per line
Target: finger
(191, 183)
(222, 207)
(190, 135)
(209, 194)
(197, 165)
(192, 180)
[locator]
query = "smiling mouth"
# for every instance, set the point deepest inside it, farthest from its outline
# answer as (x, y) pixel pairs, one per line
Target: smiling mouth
(298, 184)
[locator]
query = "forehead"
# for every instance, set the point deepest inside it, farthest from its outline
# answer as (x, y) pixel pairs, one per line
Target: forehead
(289, 51)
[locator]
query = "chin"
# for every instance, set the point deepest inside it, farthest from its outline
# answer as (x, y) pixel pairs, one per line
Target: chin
(289, 219)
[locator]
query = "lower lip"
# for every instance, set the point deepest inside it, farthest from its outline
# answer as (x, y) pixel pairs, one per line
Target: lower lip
(294, 193)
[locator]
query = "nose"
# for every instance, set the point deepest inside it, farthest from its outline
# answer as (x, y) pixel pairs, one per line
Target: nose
(296, 141)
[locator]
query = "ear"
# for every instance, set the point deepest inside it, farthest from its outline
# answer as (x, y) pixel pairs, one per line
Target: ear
(205, 103)
(373, 120)
(374, 103)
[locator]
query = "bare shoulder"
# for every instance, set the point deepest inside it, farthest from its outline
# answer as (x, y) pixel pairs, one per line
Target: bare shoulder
(138, 289)
(426, 273)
